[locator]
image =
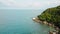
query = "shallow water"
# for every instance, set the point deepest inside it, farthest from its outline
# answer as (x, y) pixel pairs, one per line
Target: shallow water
(20, 22)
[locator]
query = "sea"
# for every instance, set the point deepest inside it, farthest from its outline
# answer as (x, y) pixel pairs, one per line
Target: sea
(19, 21)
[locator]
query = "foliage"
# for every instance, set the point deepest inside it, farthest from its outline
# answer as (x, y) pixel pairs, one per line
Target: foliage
(51, 15)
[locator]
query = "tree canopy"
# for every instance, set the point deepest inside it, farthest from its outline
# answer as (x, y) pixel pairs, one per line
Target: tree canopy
(51, 15)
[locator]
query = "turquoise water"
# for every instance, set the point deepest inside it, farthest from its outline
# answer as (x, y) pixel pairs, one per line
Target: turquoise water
(20, 22)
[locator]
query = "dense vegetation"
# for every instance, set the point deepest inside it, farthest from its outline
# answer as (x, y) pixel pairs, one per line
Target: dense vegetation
(51, 15)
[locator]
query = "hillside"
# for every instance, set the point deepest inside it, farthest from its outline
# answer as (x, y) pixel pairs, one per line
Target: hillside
(51, 15)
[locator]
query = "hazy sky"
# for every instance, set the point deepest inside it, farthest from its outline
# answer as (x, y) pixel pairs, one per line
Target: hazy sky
(28, 4)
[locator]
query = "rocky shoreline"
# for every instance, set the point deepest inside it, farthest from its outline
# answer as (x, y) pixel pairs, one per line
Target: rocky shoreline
(36, 19)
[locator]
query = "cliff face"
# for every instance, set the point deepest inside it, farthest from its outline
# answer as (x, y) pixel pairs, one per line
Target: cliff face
(51, 15)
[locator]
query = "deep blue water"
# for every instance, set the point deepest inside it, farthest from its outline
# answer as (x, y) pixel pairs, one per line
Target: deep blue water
(20, 22)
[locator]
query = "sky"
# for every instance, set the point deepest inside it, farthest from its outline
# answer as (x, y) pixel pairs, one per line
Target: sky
(28, 4)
